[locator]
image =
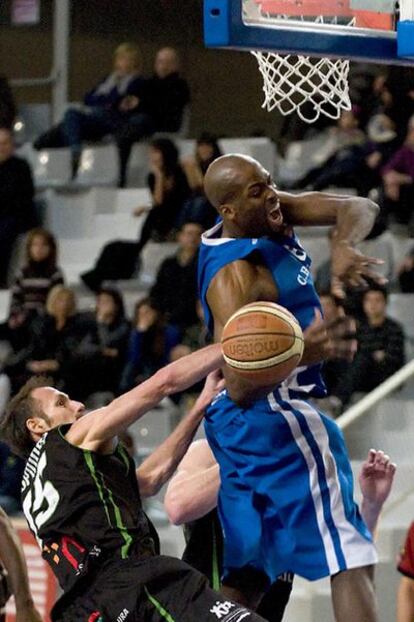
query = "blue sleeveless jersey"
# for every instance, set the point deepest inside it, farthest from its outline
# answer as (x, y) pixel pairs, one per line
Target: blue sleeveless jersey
(289, 266)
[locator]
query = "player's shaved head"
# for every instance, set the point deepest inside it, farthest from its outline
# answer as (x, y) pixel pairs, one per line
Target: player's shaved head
(226, 177)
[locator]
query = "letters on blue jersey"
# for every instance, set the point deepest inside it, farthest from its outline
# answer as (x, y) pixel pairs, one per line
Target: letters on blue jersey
(289, 266)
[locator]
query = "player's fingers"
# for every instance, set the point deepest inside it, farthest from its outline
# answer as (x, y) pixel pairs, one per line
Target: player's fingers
(391, 468)
(337, 288)
(375, 276)
(372, 455)
(365, 260)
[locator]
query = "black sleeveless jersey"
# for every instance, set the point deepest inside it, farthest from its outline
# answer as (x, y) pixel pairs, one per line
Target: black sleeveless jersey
(83, 507)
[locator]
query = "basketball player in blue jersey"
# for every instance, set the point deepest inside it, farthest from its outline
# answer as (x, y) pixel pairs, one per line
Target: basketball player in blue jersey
(286, 497)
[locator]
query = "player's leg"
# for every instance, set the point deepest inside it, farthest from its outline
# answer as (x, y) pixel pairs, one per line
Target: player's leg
(353, 595)
(246, 586)
(273, 604)
(179, 592)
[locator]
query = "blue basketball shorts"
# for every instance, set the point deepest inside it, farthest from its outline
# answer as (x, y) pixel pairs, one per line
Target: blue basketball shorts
(286, 497)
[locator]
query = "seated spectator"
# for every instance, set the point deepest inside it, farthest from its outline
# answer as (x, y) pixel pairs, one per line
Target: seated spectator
(166, 96)
(39, 274)
(336, 157)
(197, 208)
(11, 473)
(174, 292)
(17, 213)
(99, 357)
(31, 287)
(169, 190)
(398, 179)
(343, 167)
(382, 143)
(405, 599)
(380, 348)
(405, 272)
(108, 106)
(332, 370)
(150, 345)
(8, 108)
(54, 337)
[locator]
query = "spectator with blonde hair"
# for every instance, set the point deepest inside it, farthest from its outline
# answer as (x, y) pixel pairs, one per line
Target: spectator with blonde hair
(107, 106)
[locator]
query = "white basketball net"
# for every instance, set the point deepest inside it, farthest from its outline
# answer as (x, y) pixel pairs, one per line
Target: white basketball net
(309, 86)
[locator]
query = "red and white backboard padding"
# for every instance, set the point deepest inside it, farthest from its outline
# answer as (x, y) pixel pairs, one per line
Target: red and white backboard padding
(43, 584)
(360, 10)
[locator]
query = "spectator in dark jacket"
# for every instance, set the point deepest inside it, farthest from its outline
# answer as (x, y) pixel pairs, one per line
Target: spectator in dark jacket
(99, 358)
(109, 105)
(11, 473)
(166, 96)
(169, 190)
(405, 273)
(31, 287)
(55, 337)
(398, 179)
(380, 348)
(16, 200)
(150, 345)
(174, 292)
(7, 104)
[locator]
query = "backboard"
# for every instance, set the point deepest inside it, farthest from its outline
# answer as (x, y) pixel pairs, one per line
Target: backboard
(365, 30)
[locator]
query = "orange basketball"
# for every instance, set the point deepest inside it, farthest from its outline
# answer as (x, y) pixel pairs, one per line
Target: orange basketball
(263, 342)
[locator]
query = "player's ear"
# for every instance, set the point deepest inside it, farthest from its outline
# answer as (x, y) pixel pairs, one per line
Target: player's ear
(37, 425)
(226, 211)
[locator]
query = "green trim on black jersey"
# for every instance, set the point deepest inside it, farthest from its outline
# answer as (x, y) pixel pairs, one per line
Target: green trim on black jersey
(215, 570)
(163, 612)
(102, 488)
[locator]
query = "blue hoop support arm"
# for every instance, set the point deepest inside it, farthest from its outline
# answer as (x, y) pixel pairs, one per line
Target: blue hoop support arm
(405, 39)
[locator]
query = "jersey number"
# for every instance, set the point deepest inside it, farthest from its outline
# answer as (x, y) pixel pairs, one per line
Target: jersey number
(41, 501)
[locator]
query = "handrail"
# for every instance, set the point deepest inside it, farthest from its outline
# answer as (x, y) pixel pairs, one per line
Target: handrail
(23, 82)
(369, 401)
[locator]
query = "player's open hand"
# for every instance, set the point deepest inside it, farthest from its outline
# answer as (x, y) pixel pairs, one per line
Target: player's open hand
(376, 478)
(329, 340)
(350, 268)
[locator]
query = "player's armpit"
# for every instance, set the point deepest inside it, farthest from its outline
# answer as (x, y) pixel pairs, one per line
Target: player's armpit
(237, 284)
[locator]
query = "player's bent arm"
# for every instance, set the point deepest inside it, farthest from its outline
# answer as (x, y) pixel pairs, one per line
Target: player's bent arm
(162, 463)
(405, 600)
(99, 427)
(353, 216)
(12, 557)
(193, 490)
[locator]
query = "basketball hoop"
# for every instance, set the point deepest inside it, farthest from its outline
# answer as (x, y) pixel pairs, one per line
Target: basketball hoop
(310, 87)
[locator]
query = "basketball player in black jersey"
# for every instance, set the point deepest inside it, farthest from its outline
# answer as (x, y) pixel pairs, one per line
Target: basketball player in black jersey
(82, 501)
(191, 499)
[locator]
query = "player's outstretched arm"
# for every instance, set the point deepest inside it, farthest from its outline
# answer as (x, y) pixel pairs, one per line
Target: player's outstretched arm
(162, 463)
(375, 480)
(353, 218)
(193, 490)
(99, 427)
(12, 557)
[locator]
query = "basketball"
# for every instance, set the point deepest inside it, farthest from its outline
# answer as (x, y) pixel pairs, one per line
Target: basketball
(263, 342)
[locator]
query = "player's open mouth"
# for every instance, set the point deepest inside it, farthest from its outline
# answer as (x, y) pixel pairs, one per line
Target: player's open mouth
(275, 216)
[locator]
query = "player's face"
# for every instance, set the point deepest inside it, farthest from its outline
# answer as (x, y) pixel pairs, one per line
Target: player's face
(258, 210)
(57, 406)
